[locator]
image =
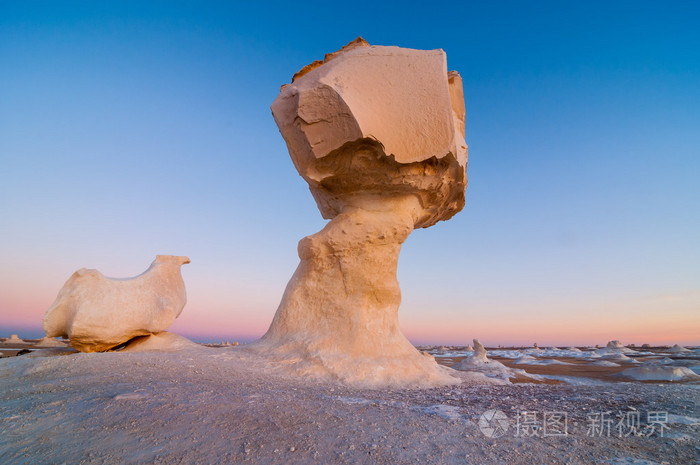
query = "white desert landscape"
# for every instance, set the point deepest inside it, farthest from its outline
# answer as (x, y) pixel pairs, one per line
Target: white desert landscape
(164, 399)
(379, 134)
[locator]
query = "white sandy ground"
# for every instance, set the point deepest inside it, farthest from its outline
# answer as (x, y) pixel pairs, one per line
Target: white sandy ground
(205, 405)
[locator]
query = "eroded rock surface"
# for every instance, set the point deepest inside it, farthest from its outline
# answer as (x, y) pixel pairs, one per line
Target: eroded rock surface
(378, 121)
(378, 134)
(98, 313)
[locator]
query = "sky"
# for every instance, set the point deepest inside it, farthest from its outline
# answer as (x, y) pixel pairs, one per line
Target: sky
(130, 129)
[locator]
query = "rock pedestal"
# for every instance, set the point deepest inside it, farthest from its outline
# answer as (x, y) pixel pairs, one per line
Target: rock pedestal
(378, 134)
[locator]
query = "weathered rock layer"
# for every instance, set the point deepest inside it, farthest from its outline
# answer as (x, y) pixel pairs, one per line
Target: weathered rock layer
(378, 134)
(98, 313)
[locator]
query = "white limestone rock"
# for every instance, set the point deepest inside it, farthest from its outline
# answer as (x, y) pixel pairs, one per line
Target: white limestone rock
(161, 342)
(660, 362)
(480, 363)
(14, 339)
(619, 356)
(377, 121)
(477, 358)
(479, 352)
(378, 134)
(47, 341)
(613, 348)
(604, 363)
(98, 313)
(676, 349)
(660, 373)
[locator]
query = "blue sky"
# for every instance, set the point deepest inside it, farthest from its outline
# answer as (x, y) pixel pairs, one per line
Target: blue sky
(129, 129)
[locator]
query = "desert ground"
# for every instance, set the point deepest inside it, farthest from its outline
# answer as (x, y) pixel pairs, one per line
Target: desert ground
(219, 404)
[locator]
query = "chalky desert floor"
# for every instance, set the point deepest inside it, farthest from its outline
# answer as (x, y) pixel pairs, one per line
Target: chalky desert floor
(196, 404)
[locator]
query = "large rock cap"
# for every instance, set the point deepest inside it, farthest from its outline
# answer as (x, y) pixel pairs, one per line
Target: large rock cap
(374, 119)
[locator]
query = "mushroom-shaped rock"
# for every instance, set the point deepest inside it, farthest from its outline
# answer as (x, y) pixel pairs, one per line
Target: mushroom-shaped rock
(378, 134)
(98, 313)
(15, 339)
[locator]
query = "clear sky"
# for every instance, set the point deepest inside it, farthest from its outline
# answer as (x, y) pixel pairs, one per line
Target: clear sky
(130, 129)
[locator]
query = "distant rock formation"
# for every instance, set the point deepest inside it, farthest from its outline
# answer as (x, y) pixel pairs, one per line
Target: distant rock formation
(614, 349)
(476, 360)
(14, 339)
(378, 134)
(49, 342)
(660, 373)
(662, 361)
(98, 313)
(480, 363)
(618, 355)
(678, 349)
(479, 352)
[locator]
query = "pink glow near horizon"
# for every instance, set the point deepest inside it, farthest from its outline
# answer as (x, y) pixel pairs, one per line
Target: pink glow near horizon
(247, 316)
(221, 305)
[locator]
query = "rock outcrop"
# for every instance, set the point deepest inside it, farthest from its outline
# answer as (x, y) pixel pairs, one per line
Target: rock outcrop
(678, 349)
(49, 342)
(480, 363)
(660, 373)
(14, 339)
(613, 348)
(479, 352)
(161, 342)
(378, 134)
(98, 313)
